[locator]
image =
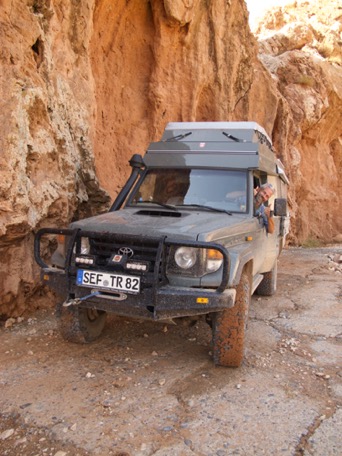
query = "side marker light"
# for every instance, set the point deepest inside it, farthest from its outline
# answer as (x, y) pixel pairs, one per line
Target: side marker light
(202, 300)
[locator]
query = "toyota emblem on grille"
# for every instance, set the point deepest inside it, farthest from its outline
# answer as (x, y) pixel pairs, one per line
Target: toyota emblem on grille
(126, 251)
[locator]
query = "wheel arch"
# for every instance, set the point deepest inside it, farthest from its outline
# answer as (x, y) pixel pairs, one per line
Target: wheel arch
(245, 264)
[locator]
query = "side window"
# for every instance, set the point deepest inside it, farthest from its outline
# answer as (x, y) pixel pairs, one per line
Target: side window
(259, 179)
(272, 180)
(256, 181)
(256, 185)
(267, 179)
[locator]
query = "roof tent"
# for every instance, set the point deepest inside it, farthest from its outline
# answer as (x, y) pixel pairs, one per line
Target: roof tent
(239, 145)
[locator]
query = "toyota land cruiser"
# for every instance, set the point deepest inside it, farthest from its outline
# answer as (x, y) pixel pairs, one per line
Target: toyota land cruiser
(181, 239)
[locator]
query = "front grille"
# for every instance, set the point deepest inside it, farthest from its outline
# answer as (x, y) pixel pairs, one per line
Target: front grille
(104, 246)
(142, 251)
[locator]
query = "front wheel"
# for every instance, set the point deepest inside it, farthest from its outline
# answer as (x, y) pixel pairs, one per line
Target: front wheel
(229, 327)
(268, 285)
(80, 325)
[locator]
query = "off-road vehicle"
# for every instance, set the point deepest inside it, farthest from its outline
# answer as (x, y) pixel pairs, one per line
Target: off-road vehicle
(181, 239)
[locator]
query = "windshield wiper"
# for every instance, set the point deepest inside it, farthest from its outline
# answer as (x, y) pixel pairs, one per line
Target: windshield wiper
(167, 206)
(178, 137)
(234, 138)
(202, 206)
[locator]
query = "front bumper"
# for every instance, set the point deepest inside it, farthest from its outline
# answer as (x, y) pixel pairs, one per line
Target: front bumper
(164, 303)
(158, 301)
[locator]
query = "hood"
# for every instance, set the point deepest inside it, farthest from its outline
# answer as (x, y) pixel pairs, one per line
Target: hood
(182, 224)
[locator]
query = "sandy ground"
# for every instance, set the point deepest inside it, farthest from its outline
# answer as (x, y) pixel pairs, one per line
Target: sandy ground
(149, 389)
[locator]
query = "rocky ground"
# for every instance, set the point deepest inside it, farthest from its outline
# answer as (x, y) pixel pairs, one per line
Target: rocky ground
(151, 389)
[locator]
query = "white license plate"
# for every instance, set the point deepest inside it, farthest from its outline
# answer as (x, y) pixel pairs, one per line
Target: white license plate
(106, 280)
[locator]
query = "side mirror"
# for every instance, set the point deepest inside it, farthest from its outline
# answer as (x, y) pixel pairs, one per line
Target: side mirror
(280, 207)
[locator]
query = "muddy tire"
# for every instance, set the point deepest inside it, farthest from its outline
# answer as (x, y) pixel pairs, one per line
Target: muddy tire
(80, 325)
(229, 328)
(268, 285)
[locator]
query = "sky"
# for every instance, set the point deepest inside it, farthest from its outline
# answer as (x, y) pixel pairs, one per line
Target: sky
(256, 8)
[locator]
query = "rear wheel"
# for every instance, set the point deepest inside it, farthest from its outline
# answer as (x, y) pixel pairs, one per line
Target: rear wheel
(229, 327)
(268, 285)
(80, 325)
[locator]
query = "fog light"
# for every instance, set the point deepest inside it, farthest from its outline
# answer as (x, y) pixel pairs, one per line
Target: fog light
(85, 246)
(137, 266)
(84, 260)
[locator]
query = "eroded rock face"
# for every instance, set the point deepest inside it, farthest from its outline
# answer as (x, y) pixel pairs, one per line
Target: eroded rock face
(87, 84)
(48, 105)
(300, 45)
(160, 61)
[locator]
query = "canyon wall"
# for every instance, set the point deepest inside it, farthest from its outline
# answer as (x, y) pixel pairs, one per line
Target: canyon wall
(84, 85)
(161, 61)
(47, 117)
(301, 46)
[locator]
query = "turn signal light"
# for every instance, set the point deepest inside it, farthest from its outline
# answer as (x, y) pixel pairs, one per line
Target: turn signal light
(60, 238)
(214, 254)
(214, 260)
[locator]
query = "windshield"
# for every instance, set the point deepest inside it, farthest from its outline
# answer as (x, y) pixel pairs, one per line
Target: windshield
(221, 189)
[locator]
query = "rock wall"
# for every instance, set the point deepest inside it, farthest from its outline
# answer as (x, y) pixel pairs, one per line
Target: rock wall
(87, 84)
(47, 117)
(300, 45)
(159, 61)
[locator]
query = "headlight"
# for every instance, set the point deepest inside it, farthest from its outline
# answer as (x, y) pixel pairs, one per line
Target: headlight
(214, 260)
(61, 244)
(185, 257)
(195, 262)
(85, 246)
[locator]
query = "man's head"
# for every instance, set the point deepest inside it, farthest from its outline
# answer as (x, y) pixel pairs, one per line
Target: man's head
(263, 194)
